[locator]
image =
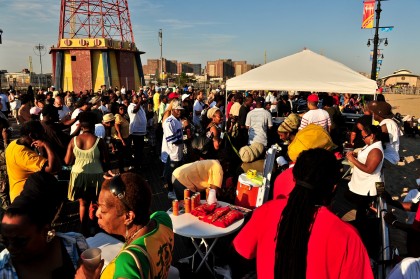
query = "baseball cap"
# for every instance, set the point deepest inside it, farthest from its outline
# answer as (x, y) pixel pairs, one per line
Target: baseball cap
(176, 104)
(184, 96)
(313, 98)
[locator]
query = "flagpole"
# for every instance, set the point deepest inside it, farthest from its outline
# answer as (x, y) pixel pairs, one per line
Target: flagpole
(376, 42)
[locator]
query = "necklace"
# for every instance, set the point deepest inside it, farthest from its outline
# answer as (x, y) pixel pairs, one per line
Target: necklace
(129, 239)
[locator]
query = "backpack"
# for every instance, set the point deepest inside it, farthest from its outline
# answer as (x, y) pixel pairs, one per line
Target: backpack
(202, 142)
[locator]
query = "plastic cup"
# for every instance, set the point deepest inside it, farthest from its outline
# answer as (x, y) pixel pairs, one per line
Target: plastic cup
(212, 197)
(91, 257)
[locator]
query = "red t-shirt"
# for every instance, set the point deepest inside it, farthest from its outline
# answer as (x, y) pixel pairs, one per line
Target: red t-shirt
(284, 184)
(335, 249)
(416, 223)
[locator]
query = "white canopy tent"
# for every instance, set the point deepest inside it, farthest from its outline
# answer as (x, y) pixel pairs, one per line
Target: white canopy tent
(304, 71)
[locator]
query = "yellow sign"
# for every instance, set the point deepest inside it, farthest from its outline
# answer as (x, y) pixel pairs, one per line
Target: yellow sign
(96, 43)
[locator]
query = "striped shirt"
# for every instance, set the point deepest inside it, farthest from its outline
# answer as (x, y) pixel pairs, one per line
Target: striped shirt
(318, 117)
(172, 133)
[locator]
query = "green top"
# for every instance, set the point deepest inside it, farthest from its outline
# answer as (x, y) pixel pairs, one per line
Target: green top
(158, 244)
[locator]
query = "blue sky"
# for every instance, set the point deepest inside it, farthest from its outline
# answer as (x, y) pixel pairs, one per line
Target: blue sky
(200, 31)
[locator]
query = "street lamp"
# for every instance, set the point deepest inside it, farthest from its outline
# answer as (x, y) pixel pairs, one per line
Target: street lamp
(41, 52)
(384, 40)
(161, 59)
(1, 33)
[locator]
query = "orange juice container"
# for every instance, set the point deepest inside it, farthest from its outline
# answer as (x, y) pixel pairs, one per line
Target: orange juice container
(193, 203)
(187, 193)
(175, 207)
(187, 205)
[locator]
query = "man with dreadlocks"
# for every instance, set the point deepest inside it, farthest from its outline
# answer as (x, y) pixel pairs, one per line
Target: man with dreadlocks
(302, 238)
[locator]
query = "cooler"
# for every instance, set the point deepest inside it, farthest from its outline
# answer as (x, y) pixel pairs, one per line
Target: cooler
(247, 192)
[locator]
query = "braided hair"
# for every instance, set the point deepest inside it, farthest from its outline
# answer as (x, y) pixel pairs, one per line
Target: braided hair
(316, 172)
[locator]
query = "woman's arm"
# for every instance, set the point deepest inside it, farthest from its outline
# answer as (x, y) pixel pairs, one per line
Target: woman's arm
(118, 130)
(374, 158)
(216, 137)
(69, 158)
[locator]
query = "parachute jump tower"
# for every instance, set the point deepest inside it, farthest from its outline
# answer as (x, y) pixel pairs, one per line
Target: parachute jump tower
(96, 47)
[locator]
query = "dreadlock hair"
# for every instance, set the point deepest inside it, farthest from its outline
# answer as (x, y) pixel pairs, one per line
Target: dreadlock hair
(316, 172)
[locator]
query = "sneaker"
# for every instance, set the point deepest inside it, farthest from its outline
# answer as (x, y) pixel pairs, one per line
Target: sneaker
(171, 196)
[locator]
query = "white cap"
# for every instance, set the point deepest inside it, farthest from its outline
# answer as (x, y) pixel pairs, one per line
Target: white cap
(184, 96)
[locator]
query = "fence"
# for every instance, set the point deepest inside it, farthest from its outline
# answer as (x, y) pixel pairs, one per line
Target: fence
(403, 90)
(22, 84)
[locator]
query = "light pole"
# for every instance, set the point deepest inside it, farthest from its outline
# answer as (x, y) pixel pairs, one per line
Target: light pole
(1, 33)
(161, 59)
(41, 52)
(375, 42)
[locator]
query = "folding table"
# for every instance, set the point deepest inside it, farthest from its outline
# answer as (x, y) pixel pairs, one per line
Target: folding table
(187, 225)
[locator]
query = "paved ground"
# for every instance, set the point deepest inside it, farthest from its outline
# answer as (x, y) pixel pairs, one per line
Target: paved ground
(401, 180)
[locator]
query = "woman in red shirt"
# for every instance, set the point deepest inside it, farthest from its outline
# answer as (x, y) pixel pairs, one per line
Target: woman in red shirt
(301, 237)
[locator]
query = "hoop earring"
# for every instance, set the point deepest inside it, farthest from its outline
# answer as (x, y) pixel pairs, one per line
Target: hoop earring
(50, 235)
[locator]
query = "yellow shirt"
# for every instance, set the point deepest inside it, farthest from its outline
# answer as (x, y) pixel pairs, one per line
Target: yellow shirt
(21, 162)
(156, 97)
(124, 126)
(198, 176)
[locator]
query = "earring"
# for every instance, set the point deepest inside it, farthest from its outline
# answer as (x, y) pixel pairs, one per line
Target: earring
(50, 235)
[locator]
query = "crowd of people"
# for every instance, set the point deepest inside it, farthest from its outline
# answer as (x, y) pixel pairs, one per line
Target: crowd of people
(204, 139)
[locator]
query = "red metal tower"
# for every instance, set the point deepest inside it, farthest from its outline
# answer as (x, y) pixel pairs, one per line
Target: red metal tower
(96, 19)
(96, 46)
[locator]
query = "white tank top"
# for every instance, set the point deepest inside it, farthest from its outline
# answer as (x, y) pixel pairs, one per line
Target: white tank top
(363, 183)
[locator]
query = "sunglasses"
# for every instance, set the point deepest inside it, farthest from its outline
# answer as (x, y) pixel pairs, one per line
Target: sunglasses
(117, 188)
(366, 136)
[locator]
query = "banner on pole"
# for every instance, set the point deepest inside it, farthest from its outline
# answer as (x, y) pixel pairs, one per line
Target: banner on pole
(368, 13)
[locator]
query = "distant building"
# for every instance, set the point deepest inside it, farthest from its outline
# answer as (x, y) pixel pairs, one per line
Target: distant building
(187, 67)
(153, 66)
(222, 68)
(401, 78)
(226, 68)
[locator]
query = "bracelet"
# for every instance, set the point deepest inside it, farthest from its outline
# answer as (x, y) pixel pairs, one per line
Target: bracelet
(393, 222)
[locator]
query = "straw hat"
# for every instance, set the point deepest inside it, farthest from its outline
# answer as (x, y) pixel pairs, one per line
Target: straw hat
(108, 118)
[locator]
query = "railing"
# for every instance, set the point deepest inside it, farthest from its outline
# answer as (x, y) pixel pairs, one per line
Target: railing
(402, 90)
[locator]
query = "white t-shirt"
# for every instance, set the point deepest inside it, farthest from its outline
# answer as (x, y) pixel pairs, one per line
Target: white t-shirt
(73, 116)
(393, 146)
(318, 117)
(258, 120)
(14, 103)
(138, 120)
(172, 132)
(363, 183)
(198, 106)
(272, 99)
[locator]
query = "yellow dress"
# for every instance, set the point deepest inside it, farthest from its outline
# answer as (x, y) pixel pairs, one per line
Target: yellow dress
(86, 174)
